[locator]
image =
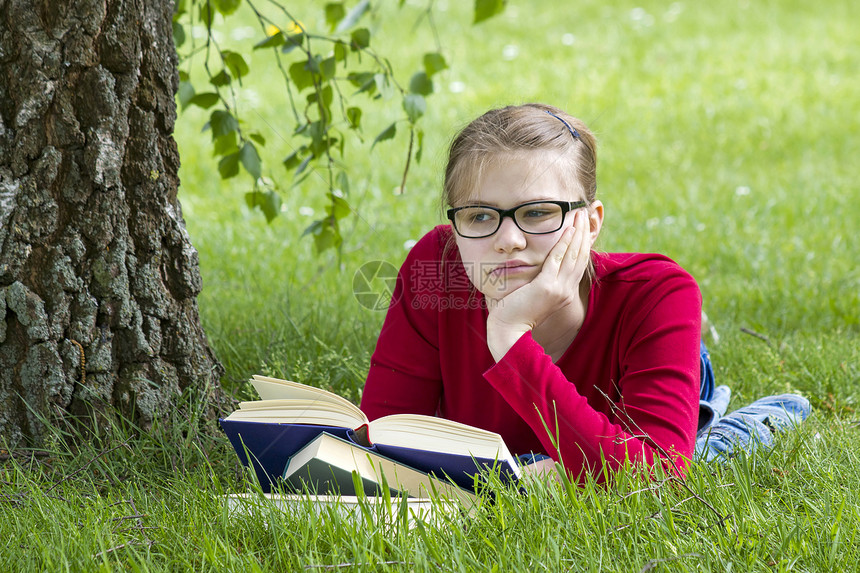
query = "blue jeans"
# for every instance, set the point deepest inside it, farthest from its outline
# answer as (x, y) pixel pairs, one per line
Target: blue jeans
(748, 429)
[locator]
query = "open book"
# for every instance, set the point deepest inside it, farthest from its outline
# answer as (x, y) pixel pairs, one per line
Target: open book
(290, 415)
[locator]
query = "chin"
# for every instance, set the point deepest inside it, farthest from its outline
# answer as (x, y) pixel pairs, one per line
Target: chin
(498, 292)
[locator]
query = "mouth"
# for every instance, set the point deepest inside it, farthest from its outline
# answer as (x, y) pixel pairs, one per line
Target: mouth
(509, 268)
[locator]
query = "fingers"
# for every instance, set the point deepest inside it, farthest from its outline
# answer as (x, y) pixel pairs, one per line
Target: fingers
(575, 258)
(558, 253)
(569, 245)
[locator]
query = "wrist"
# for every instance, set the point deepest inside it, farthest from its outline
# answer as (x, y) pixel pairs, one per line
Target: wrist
(502, 337)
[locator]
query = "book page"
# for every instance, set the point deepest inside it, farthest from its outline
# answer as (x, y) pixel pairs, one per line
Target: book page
(296, 412)
(437, 434)
(277, 389)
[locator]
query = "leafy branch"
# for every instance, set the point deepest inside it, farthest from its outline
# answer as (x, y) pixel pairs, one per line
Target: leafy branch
(333, 79)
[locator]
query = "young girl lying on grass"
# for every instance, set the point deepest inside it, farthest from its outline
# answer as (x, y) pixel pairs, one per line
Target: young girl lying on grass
(508, 320)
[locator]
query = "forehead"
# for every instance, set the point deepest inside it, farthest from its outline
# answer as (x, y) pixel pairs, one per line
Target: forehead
(508, 179)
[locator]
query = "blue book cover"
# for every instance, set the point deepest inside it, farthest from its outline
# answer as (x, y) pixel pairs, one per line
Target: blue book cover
(458, 469)
(270, 446)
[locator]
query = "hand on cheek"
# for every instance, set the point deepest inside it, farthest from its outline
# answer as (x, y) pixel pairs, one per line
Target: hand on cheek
(556, 287)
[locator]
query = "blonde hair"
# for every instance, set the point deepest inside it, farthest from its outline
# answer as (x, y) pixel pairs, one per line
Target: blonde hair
(516, 129)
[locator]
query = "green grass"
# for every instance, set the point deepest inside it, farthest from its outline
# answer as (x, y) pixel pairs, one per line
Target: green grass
(728, 140)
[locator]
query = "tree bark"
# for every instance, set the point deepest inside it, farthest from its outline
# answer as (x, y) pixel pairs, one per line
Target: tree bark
(98, 277)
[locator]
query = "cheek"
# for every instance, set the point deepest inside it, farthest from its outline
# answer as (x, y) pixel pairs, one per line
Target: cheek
(472, 253)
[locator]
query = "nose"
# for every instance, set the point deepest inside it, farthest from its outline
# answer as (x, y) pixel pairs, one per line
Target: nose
(509, 237)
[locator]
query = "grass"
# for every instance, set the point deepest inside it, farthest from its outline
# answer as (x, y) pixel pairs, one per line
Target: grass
(728, 140)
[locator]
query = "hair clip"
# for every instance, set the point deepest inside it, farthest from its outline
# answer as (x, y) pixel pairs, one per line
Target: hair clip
(572, 130)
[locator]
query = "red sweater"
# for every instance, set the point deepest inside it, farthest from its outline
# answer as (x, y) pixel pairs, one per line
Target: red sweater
(627, 387)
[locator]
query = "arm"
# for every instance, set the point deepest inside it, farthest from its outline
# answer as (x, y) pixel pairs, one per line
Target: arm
(404, 374)
(656, 413)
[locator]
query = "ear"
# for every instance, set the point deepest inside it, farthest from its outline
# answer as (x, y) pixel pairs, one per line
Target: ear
(595, 219)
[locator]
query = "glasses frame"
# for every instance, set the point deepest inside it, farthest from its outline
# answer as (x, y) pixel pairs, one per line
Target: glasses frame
(566, 206)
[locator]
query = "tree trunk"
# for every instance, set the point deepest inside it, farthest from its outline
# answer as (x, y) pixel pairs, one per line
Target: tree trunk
(98, 277)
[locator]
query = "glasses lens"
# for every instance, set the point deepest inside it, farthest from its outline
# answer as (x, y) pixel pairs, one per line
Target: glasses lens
(476, 221)
(539, 217)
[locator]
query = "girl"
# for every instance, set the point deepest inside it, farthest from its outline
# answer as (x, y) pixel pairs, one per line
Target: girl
(509, 321)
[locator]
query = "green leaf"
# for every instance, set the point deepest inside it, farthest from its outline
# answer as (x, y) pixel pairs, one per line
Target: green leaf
(486, 9)
(420, 83)
(312, 64)
(339, 208)
(359, 79)
(293, 159)
(293, 42)
(225, 144)
(383, 85)
(250, 159)
(327, 97)
(269, 202)
(226, 7)
(204, 100)
(327, 68)
(334, 13)
(353, 116)
(235, 63)
(387, 133)
(434, 62)
(320, 140)
(272, 206)
(229, 166)
(185, 93)
(415, 106)
(312, 228)
(364, 81)
(359, 39)
(300, 75)
(220, 79)
(272, 41)
(343, 180)
(206, 14)
(222, 122)
(325, 233)
(178, 34)
(303, 165)
(258, 138)
(354, 15)
(340, 51)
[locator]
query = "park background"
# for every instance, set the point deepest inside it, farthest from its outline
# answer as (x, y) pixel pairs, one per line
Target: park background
(728, 136)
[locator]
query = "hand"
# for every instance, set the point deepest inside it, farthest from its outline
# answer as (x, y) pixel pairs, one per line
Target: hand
(554, 289)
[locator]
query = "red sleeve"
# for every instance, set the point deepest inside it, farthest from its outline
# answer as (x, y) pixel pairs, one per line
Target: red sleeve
(655, 418)
(404, 371)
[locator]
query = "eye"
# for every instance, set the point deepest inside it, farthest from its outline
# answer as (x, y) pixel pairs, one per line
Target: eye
(536, 213)
(478, 216)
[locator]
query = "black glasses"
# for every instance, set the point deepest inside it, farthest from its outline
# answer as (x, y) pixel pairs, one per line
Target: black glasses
(534, 218)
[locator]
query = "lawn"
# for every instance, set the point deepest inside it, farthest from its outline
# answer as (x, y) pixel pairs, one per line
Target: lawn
(728, 132)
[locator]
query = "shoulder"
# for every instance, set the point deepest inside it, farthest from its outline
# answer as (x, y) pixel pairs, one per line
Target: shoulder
(644, 281)
(639, 294)
(433, 266)
(637, 267)
(438, 242)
